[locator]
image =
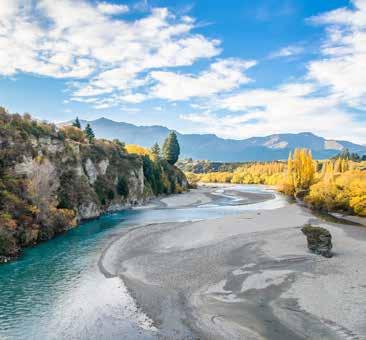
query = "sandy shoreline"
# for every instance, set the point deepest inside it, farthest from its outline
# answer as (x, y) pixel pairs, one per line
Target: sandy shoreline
(247, 276)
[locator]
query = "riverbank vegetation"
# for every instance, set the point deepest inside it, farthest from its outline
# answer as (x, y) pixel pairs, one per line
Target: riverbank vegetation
(53, 177)
(338, 184)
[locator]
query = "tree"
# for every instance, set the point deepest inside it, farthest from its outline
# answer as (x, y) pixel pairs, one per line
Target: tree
(77, 123)
(171, 149)
(355, 157)
(137, 149)
(74, 133)
(155, 152)
(301, 170)
(89, 133)
(122, 187)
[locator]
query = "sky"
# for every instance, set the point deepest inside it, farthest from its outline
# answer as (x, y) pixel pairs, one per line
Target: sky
(238, 68)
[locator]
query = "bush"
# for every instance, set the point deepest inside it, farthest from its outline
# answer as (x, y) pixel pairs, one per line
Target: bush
(7, 244)
(137, 149)
(100, 187)
(153, 174)
(62, 219)
(73, 133)
(122, 187)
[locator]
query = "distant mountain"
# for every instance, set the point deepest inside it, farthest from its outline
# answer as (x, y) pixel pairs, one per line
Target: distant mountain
(211, 147)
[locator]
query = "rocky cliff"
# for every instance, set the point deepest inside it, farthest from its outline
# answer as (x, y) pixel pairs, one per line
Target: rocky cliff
(51, 179)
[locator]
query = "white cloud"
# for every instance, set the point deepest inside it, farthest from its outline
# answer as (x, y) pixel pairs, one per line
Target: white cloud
(345, 16)
(343, 66)
(79, 39)
(134, 98)
(287, 51)
(112, 9)
(322, 103)
(223, 75)
(114, 61)
(290, 108)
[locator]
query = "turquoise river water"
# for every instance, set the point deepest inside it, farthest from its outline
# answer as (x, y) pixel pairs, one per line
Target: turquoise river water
(55, 290)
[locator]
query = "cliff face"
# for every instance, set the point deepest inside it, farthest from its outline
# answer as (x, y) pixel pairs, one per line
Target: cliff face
(52, 179)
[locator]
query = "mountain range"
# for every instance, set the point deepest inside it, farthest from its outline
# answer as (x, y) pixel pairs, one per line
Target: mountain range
(213, 148)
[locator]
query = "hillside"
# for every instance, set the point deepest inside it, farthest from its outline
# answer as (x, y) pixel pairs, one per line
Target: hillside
(211, 147)
(51, 179)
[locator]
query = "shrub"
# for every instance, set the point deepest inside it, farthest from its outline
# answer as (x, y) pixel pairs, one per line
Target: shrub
(73, 133)
(122, 187)
(62, 219)
(137, 149)
(8, 245)
(101, 190)
(358, 204)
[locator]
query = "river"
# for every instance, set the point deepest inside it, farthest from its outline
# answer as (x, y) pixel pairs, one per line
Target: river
(224, 261)
(55, 290)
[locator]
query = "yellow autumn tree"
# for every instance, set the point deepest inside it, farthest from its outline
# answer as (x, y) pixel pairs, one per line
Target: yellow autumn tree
(300, 170)
(137, 149)
(333, 185)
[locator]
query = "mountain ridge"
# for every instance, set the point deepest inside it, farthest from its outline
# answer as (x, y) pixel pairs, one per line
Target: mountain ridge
(214, 148)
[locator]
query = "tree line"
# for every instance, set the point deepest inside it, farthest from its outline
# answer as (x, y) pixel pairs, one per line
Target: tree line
(335, 184)
(170, 151)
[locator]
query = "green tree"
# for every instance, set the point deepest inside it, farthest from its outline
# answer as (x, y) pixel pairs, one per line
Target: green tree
(155, 152)
(89, 133)
(77, 123)
(171, 149)
(122, 187)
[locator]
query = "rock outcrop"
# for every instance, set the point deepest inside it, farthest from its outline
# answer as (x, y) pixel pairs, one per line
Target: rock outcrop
(319, 240)
(51, 179)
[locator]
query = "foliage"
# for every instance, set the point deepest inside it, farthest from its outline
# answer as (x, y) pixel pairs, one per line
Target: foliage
(73, 133)
(137, 149)
(155, 152)
(251, 173)
(59, 218)
(153, 175)
(300, 171)
(89, 133)
(7, 243)
(335, 184)
(346, 155)
(73, 190)
(76, 123)
(344, 191)
(103, 190)
(171, 149)
(45, 184)
(122, 187)
(204, 166)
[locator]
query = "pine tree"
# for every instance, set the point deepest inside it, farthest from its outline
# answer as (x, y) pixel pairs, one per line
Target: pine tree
(155, 152)
(76, 123)
(171, 149)
(89, 133)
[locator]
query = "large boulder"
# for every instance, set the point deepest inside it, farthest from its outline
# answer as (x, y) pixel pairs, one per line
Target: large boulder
(319, 240)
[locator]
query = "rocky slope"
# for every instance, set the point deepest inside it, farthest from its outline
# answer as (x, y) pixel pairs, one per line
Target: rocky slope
(51, 179)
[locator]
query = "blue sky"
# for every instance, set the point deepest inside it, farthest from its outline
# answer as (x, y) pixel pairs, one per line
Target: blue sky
(238, 68)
